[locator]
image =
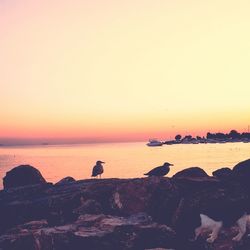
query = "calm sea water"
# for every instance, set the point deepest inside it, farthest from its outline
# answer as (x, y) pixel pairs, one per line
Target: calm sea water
(123, 160)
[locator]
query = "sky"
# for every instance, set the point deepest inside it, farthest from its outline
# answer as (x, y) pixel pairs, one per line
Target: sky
(113, 70)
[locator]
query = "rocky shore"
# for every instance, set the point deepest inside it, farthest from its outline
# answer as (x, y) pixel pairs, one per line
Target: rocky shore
(107, 214)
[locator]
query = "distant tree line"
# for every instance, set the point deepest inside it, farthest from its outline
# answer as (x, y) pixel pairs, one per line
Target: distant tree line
(232, 135)
(217, 136)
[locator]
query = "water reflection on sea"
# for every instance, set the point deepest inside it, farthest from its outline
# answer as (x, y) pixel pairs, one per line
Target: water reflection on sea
(123, 160)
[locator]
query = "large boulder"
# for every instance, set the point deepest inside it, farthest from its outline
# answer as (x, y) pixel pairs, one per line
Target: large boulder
(223, 173)
(191, 172)
(21, 176)
(193, 179)
(241, 173)
(242, 168)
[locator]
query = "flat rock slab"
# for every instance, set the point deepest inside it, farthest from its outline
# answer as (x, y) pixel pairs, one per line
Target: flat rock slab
(99, 232)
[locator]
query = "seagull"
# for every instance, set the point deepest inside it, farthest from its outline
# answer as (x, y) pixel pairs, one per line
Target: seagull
(98, 169)
(160, 171)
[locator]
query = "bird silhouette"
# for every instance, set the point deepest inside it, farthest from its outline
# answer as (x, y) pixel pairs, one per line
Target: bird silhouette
(98, 169)
(160, 171)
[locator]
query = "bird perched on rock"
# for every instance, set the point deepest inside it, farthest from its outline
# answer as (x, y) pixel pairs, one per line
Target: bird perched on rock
(160, 171)
(98, 169)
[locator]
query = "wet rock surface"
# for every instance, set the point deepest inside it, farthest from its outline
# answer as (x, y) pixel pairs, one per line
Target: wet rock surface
(140, 213)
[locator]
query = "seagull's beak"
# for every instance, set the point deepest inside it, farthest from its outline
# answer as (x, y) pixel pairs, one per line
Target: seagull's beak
(171, 164)
(103, 162)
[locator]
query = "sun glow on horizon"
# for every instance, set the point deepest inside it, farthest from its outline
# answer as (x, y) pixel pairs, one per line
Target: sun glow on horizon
(123, 70)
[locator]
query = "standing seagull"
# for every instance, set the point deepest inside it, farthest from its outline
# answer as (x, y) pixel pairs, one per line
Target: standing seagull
(160, 171)
(97, 169)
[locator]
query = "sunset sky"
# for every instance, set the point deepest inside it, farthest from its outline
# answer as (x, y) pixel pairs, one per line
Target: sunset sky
(112, 70)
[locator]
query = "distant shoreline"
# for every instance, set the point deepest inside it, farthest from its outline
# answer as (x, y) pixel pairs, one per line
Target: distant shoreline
(204, 141)
(232, 136)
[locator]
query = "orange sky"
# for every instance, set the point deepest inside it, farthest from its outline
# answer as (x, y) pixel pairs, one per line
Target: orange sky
(123, 70)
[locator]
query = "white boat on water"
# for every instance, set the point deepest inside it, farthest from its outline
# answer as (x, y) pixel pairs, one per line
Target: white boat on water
(154, 143)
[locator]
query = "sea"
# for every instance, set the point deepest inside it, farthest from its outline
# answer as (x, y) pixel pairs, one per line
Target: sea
(122, 160)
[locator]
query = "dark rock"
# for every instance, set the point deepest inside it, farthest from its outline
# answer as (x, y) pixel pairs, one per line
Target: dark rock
(120, 213)
(99, 232)
(21, 176)
(223, 173)
(22, 204)
(157, 196)
(133, 197)
(23, 240)
(32, 225)
(224, 201)
(191, 185)
(60, 204)
(164, 202)
(101, 191)
(241, 172)
(89, 207)
(65, 180)
(61, 209)
(191, 172)
(242, 168)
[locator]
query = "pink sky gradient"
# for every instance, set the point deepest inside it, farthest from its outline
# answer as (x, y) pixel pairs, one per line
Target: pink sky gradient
(123, 70)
